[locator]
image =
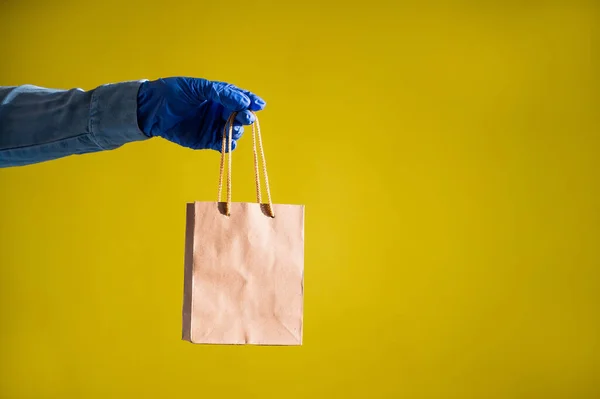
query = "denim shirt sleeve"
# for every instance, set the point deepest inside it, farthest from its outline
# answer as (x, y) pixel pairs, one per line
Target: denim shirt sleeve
(39, 124)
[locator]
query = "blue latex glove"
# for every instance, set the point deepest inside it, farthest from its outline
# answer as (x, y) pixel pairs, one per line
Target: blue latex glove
(192, 112)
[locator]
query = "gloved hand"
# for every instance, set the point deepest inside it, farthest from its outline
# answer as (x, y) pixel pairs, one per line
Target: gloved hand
(192, 112)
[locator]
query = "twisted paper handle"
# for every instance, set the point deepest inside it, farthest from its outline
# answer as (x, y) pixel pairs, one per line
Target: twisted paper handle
(227, 143)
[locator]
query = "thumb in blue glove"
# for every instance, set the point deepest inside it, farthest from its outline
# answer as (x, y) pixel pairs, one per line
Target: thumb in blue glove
(192, 112)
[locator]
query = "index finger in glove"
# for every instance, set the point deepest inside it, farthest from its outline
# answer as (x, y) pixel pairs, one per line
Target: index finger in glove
(225, 94)
(256, 103)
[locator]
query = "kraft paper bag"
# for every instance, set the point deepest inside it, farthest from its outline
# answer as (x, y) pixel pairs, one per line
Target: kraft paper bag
(244, 266)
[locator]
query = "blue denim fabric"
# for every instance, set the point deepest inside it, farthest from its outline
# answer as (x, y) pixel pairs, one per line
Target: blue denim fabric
(39, 124)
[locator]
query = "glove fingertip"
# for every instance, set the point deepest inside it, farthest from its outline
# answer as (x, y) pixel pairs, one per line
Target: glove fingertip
(217, 147)
(258, 106)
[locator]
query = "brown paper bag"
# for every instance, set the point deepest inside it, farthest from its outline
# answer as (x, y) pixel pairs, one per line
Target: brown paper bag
(244, 266)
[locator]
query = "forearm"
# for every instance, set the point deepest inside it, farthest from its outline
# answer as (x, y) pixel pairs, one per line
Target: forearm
(38, 124)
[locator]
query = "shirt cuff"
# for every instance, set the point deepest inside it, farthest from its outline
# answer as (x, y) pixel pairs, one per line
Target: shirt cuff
(113, 115)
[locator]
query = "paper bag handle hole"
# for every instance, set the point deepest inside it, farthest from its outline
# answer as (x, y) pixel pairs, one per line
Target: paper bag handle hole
(266, 209)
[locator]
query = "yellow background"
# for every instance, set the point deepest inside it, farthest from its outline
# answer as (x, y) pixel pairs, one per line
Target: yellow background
(449, 159)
